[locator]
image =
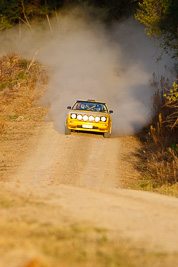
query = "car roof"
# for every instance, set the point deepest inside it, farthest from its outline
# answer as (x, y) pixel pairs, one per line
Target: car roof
(92, 101)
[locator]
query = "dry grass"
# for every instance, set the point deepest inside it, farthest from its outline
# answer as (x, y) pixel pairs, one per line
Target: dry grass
(3, 125)
(40, 240)
(19, 89)
(159, 154)
(19, 113)
(164, 157)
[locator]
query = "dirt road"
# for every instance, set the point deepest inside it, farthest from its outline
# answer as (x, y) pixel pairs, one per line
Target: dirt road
(79, 178)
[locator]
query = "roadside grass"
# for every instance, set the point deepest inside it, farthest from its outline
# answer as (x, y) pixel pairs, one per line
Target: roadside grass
(158, 155)
(158, 171)
(21, 88)
(20, 114)
(31, 237)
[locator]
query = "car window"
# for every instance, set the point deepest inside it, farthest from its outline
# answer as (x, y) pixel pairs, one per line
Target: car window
(90, 106)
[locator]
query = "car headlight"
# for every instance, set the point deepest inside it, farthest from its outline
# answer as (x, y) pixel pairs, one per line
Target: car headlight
(85, 117)
(73, 116)
(103, 119)
(91, 118)
(97, 119)
(79, 117)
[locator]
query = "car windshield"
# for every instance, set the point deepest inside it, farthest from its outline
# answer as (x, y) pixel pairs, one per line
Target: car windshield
(90, 106)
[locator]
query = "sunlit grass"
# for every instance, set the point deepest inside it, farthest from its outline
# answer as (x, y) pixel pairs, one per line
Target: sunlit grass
(31, 232)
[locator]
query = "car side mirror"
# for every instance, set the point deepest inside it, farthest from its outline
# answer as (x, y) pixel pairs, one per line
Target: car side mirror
(69, 107)
(111, 111)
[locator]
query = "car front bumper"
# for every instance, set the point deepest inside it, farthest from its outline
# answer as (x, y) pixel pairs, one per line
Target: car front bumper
(101, 127)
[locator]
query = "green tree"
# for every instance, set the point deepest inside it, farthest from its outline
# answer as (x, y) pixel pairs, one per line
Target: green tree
(106, 10)
(172, 103)
(161, 20)
(11, 11)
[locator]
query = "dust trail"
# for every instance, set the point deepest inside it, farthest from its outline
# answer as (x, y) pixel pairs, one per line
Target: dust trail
(90, 61)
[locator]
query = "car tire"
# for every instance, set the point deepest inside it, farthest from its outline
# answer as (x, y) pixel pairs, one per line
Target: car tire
(67, 130)
(107, 135)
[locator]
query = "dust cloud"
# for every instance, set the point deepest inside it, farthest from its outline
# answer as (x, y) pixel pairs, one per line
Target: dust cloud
(88, 60)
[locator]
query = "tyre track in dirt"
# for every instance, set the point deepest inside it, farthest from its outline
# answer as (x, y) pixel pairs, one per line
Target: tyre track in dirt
(89, 160)
(82, 175)
(78, 159)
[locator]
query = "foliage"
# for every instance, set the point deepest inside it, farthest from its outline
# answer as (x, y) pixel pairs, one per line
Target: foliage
(4, 23)
(13, 11)
(110, 10)
(150, 14)
(161, 20)
(173, 96)
(160, 139)
(21, 75)
(2, 86)
(172, 103)
(16, 11)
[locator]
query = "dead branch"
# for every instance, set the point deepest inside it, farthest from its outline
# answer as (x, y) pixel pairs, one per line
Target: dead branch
(27, 21)
(49, 23)
(20, 32)
(24, 21)
(32, 61)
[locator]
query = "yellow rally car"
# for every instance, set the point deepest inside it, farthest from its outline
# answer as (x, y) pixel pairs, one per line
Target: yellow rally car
(89, 115)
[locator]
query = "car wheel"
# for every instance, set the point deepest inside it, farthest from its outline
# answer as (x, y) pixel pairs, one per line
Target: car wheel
(107, 135)
(67, 130)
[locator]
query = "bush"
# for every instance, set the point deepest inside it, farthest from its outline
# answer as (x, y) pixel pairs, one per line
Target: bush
(160, 140)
